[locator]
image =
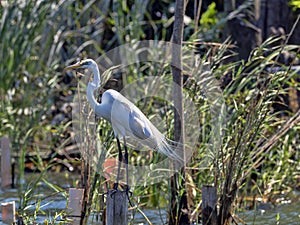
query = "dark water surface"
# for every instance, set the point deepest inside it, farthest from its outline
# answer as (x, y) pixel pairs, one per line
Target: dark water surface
(286, 214)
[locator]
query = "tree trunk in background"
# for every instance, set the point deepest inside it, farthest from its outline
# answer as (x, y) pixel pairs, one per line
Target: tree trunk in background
(276, 15)
(176, 215)
(269, 17)
(243, 31)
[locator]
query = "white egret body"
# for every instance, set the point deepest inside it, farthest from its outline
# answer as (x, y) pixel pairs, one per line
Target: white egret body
(126, 119)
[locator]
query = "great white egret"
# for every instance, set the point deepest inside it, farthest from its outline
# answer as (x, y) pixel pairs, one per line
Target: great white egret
(126, 119)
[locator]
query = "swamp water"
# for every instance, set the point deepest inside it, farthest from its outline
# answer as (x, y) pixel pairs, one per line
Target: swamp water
(285, 214)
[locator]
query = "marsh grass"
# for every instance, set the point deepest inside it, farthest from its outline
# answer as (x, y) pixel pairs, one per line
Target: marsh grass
(29, 82)
(254, 148)
(252, 130)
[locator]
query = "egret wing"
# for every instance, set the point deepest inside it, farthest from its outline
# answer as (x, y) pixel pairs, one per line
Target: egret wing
(138, 126)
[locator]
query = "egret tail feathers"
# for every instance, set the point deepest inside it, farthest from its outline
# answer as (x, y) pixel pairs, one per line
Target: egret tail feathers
(171, 149)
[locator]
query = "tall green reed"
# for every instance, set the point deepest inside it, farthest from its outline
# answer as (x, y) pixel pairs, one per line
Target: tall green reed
(36, 40)
(251, 121)
(29, 80)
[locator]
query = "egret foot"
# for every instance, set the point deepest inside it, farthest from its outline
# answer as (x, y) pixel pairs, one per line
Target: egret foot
(129, 194)
(127, 190)
(115, 189)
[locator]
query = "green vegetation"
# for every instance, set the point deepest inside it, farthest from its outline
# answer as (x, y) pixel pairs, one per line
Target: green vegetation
(295, 4)
(248, 141)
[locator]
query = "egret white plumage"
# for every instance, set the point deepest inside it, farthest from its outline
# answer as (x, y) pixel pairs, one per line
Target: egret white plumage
(126, 119)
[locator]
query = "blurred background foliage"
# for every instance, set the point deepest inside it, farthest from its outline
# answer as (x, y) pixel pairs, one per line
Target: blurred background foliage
(259, 150)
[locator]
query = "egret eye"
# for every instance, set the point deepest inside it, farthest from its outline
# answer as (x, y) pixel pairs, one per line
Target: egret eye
(85, 63)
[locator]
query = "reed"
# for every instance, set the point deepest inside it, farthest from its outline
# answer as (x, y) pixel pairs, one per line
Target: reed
(248, 135)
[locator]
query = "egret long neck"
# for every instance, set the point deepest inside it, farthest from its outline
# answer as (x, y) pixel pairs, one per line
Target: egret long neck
(96, 74)
(92, 86)
(99, 109)
(90, 95)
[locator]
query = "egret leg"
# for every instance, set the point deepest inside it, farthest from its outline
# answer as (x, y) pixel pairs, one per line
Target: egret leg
(126, 164)
(119, 165)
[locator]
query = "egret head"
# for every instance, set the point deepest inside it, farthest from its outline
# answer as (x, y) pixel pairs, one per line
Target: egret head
(86, 63)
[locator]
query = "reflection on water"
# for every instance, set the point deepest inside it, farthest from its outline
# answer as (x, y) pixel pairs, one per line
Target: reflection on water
(50, 201)
(283, 214)
(287, 214)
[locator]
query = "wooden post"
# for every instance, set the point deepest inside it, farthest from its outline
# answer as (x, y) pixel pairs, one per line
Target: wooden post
(179, 135)
(209, 205)
(116, 208)
(8, 212)
(6, 178)
(75, 204)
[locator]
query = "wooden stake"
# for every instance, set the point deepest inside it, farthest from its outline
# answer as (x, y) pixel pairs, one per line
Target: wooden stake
(8, 212)
(209, 205)
(75, 204)
(179, 135)
(116, 208)
(5, 163)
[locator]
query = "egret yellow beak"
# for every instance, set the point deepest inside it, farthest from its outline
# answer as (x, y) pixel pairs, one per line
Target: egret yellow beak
(71, 67)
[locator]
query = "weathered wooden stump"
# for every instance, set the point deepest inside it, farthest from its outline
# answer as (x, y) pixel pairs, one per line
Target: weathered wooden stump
(6, 176)
(116, 208)
(209, 205)
(8, 212)
(75, 204)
